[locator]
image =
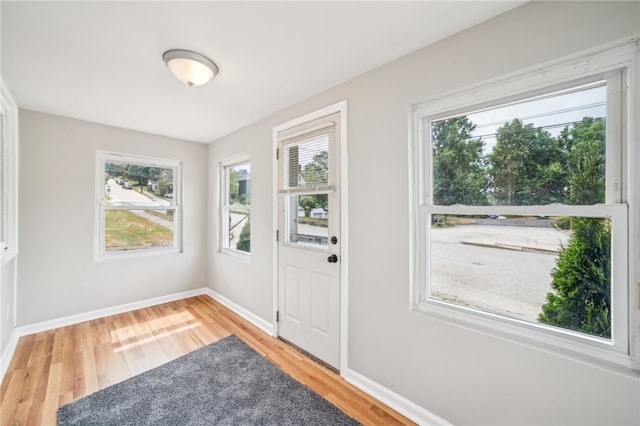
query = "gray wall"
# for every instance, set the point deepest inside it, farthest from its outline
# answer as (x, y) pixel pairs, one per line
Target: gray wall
(463, 376)
(7, 298)
(57, 274)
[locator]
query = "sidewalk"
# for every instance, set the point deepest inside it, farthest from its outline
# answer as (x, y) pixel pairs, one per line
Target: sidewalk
(546, 240)
(516, 247)
(155, 219)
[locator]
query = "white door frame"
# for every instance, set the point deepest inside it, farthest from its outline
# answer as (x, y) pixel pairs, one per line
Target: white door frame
(340, 107)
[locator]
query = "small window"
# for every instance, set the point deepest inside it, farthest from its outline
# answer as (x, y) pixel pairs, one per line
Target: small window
(236, 206)
(521, 216)
(138, 210)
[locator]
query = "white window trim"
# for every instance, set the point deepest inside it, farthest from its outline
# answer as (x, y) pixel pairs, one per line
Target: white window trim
(103, 157)
(622, 55)
(9, 249)
(224, 207)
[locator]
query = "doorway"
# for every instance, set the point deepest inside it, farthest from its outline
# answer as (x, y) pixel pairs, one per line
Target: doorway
(309, 234)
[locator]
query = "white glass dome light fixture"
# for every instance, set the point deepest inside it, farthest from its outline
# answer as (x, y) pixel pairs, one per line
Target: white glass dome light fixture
(191, 68)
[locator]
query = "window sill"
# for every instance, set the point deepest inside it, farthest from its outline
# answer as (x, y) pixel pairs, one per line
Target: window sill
(593, 351)
(237, 255)
(8, 256)
(135, 254)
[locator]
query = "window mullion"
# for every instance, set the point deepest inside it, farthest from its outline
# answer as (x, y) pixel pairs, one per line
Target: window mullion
(614, 137)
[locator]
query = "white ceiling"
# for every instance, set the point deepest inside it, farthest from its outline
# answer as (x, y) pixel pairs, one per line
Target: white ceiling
(102, 61)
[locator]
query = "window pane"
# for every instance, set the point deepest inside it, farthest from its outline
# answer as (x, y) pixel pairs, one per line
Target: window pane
(544, 150)
(239, 237)
(308, 219)
(239, 178)
(138, 185)
(548, 270)
(138, 229)
(308, 163)
(236, 203)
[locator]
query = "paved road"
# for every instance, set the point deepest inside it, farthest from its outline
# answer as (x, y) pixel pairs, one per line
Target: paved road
(483, 266)
(119, 195)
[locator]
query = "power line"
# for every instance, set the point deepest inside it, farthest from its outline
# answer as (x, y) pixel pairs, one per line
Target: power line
(550, 126)
(545, 114)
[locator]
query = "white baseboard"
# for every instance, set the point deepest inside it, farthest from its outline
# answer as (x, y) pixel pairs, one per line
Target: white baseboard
(25, 330)
(392, 399)
(383, 394)
(100, 313)
(262, 324)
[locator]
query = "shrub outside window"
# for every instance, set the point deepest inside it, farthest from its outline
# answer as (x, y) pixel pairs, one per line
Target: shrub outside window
(138, 206)
(522, 223)
(236, 206)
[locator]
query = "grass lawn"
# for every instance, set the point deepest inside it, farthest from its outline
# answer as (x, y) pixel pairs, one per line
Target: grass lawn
(125, 230)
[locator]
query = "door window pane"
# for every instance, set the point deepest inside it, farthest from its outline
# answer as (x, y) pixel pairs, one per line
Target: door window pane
(307, 219)
(307, 163)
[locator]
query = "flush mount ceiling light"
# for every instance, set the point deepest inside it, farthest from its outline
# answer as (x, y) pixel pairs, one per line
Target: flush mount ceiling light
(191, 68)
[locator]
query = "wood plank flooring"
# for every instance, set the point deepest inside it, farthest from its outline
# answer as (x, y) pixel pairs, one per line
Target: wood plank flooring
(55, 367)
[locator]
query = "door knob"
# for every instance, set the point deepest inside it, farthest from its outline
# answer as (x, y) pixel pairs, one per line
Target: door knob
(332, 259)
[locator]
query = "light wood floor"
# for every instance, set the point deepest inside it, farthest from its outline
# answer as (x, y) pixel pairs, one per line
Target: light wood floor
(55, 367)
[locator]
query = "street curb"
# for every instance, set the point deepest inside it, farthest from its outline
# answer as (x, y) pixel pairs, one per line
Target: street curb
(512, 247)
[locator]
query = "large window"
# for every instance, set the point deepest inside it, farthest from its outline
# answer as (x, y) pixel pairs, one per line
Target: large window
(236, 206)
(138, 205)
(521, 212)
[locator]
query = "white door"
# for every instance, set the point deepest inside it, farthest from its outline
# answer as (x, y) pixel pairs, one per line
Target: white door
(309, 237)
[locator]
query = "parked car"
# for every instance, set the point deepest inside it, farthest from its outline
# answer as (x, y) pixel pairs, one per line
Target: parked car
(127, 185)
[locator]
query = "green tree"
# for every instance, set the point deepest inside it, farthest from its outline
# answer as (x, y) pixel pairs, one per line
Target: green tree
(315, 173)
(582, 281)
(585, 144)
(582, 276)
(509, 159)
(544, 179)
(310, 202)
(142, 174)
(244, 240)
(114, 170)
(164, 182)
(459, 169)
(527, 166)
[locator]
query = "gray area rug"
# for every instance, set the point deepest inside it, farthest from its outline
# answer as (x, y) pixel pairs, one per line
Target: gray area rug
(224, 383)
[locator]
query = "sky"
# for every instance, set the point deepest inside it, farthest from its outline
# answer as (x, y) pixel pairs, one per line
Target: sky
(552, 112)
